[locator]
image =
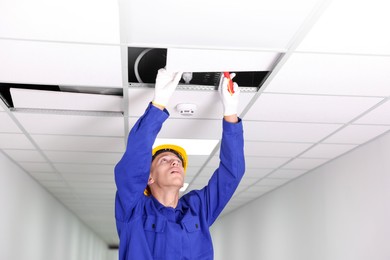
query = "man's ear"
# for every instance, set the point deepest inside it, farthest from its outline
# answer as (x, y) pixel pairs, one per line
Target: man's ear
(150, 180)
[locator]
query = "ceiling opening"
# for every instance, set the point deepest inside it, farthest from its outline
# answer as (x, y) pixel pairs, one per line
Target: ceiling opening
(143, 64)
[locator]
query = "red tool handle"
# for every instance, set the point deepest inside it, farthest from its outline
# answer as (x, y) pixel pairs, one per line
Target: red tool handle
(230, 83)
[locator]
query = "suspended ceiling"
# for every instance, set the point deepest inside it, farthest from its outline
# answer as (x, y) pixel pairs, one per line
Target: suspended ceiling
(327, 92)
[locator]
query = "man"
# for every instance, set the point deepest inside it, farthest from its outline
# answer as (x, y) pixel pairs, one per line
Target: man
(155, 223)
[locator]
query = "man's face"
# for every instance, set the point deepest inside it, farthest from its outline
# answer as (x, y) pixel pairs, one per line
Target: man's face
(167, 171)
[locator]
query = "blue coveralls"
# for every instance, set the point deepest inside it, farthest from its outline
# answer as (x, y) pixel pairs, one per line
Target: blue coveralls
(149, 230)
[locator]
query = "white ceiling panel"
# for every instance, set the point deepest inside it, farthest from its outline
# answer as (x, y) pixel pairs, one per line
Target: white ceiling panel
(83, 157)
(15, 141)
(351, 26)
(197, 160)
(55, 184)
(79, 143)
(272, 181)
(191, 129)
(328, 150)
(309, 108)
(209, 27)
(95, 185)
(327, 74)
(254, 162)
(264, 162)
(208, 102)
(88, 177)
(71, 124)
(357, 134)
(1, 105)
(191, 172)
(46, 176)
(7, 124)
(304, 163)
(287, 173)
(201, 60)
(251, 173)
(36, 167)
(287, 132)
(83, 168)
(56, 20)
(25, 155)
(254, 191)
(273, 149)
(51, 63)
(378, 116)
(41, 99)
(245, 182)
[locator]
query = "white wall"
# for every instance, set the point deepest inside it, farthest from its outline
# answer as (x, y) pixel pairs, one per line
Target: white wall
(35, 226)
(340, 211)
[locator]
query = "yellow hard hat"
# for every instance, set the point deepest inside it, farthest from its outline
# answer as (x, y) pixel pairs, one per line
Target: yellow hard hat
(177, 150)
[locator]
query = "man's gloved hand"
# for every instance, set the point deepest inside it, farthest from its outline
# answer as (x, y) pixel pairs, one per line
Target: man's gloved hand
(166, 83)
(229, 101)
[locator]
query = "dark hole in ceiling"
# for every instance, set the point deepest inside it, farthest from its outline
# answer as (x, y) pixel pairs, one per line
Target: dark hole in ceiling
(144, 63)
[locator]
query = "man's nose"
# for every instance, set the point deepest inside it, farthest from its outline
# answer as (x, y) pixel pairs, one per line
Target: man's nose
(175, 162)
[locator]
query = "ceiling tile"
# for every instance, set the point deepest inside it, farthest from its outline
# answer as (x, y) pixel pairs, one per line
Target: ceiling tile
(273, 149)
(71, 124)
(36, 167)
(191, 129)
(63, 64)
(208, 102)
(191, 172)
(327, 150)
(14, 141)
(193, 60)
(98, 24)
(245, 182)
(54, 184)
(287, 132)
(327, 74)
(367, 35)
(309, 108)
(79, 143)
(197, 160)
(287, 173)
(272, 182)
(378, 116)
(84, 168)
(255, 191)
(41, 99)
(256, 162)
(256, 173)
(264, 162)
(46, 176)
(94, 185)
(265, 18)
(25, 155)
(304, 163)
(357, 134)
(87, 177)
(7, 124)
(83, 157)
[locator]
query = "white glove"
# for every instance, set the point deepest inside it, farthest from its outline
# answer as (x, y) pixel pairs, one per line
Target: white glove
(166, 83)
(229, 101)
